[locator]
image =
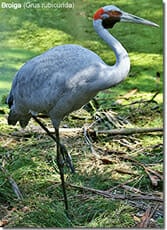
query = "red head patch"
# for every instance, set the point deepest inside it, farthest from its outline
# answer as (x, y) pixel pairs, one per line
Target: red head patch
(98, 14)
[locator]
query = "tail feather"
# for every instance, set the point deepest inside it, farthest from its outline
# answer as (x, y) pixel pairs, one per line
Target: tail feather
(24, 122)
(9, 100)
(14, 117)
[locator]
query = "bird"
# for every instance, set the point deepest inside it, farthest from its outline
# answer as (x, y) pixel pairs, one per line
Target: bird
(66, 77)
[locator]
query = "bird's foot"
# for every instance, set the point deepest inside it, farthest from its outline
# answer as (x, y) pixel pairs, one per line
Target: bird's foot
(67, 158)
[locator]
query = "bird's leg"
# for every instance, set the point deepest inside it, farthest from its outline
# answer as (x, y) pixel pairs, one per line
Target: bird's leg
(60, 157)
(66, 156)
(60, 164)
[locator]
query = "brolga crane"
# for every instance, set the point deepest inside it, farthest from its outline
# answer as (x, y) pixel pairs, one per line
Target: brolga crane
(66, 77)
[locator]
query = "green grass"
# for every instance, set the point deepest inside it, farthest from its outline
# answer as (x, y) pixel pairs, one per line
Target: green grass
(28, 156)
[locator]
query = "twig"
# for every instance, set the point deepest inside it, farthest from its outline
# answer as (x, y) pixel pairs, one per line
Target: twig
(96, 191)
(122, 184)
(152, 99)
(122, 131)
(89, 143)
(144, 101)
(12, 182)
(145, 220)
(118, 196)
(153, 175)
(128, 131)
(144, 206)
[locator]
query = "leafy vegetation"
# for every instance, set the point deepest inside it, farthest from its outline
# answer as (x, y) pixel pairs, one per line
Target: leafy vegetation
(126, 174)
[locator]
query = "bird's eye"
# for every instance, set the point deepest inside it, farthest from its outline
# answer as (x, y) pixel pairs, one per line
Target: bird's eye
(115, 13)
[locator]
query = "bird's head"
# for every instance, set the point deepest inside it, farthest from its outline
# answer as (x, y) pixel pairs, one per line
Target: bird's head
(112, 14)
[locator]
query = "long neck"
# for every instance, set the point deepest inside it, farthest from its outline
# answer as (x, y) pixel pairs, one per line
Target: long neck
(116, 73)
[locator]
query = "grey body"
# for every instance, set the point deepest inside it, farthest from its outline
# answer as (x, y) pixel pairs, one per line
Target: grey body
(56, 83)
(53, 83)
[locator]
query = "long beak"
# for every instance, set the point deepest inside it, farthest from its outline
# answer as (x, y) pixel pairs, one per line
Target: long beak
(125, 17)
